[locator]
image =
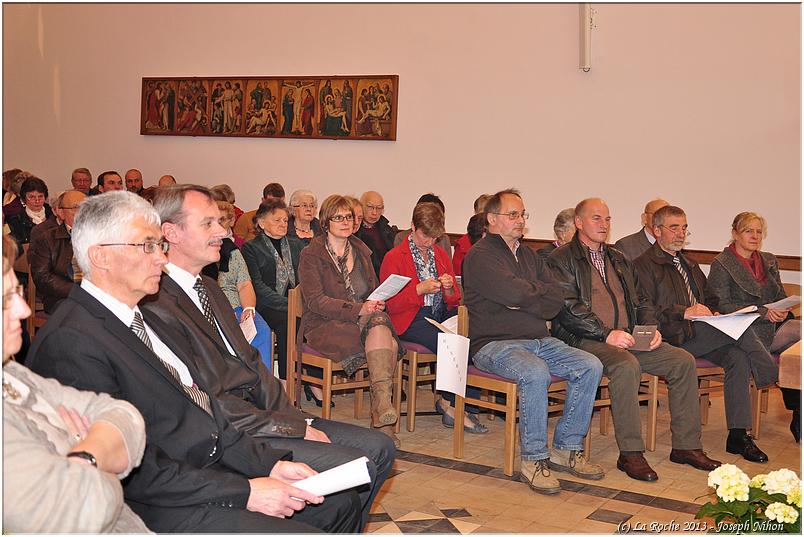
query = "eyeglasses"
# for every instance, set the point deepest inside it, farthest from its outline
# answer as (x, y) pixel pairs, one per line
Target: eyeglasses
(147, 247)
(17, 290)
(305, 206)
(677, 230)
(371, 207)
(515, 215)
(341, 218)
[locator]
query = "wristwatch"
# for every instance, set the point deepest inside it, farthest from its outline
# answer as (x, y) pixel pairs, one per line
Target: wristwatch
(86, 455)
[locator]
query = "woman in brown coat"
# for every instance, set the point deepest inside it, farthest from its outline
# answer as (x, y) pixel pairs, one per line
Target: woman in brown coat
(336, 276)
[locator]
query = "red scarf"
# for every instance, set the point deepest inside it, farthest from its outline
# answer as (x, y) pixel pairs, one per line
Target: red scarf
(754, 265)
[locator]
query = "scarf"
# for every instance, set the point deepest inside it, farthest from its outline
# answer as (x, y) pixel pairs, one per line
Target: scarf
(340, 262)
(36, 217)
(425, 271)
(285, 275)
(754, 265)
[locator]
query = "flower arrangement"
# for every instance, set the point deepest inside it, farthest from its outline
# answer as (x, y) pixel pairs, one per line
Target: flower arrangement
(768, 503)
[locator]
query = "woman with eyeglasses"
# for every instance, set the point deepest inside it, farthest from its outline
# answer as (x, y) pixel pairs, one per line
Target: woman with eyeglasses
(272, 259)
(742, 275)
(431, 293)
(234, 280)
(303, 224)
(64, 450)
(339, 321)
(33, 193)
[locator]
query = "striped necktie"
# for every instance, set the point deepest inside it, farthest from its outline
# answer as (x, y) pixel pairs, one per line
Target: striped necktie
(685, 277)
(198, 396)
(203, 297)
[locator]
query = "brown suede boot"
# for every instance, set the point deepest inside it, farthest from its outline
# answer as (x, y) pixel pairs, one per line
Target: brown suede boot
(381, 366)
(389, 431)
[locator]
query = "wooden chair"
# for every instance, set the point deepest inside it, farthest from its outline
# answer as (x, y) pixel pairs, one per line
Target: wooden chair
(38, 316)
(416, 356)
(333, 377)
(556, 390)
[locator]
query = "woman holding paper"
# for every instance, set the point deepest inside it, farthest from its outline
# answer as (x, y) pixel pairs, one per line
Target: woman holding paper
(273, 261)
(743, 276)
(431, 293)
(233, 278)
(339, 321)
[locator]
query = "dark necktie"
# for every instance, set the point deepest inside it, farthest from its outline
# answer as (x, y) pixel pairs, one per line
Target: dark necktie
(685, 277)
(203, 297)
(196, 394)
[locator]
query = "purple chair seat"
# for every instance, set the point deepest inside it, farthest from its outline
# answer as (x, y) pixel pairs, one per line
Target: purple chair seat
(307, 349)
(415, 347)
(472, 370)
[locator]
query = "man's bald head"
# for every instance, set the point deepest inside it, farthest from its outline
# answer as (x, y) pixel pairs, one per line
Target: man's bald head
(167, 180)
(373, 206)
(651, 207)
(133, 179)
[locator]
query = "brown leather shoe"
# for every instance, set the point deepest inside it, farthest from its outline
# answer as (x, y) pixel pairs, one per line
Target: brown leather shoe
(636, 467)
(695, 458)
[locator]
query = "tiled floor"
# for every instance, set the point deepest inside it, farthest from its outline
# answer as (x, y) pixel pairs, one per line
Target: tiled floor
(431, 492)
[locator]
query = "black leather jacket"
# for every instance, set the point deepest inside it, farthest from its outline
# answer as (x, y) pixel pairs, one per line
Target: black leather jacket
(576, 321)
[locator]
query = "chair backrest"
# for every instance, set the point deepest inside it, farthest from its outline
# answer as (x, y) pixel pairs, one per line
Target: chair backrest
(463, 321)
(791, 289)
(295, 310)
(31, 299)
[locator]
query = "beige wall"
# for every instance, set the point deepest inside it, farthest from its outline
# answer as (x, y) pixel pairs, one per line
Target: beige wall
(696, 103)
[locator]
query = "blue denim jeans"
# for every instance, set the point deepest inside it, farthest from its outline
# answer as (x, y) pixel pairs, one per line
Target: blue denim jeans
(531, 362)
(262, 341)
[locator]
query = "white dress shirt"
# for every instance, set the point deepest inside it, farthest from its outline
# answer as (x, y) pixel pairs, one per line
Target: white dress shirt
(186, 281)
(126, 316)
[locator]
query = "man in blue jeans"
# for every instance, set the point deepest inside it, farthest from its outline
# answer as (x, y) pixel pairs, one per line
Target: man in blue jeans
(511, 293)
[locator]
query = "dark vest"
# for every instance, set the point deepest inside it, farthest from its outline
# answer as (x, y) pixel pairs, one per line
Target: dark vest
(608, 301)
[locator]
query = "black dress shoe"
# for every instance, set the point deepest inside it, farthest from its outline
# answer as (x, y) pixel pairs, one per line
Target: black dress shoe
(744, 445)
(795, 426)
(636, 467)
(695, 458)
(308, 393)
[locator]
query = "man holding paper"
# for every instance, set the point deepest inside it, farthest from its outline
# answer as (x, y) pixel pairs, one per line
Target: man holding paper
(676, 285)
(510, 293)
(604, 305)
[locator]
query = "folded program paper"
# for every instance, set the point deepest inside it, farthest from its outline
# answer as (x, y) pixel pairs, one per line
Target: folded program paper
(347, 475)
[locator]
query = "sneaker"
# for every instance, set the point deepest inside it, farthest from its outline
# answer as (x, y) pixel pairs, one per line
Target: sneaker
(537, 475)
(575, 463)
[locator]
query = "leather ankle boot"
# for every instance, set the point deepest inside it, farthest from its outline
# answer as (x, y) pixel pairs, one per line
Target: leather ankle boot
(381, 366)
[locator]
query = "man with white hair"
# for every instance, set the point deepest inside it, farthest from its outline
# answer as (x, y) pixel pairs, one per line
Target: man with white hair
(376, 231)
(199, 474)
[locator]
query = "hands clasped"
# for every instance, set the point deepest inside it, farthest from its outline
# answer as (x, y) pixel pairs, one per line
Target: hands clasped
(276, 496)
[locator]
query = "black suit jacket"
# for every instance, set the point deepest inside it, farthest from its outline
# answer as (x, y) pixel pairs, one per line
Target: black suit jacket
(191, 458)
(240, 382)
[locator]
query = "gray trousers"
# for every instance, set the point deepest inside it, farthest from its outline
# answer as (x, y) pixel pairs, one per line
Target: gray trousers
(624, 369)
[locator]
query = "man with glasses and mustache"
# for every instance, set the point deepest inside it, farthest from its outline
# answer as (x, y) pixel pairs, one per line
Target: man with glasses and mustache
(676, 285)
(53, 265)
(376, 232)
(604, 303)
(199, 474)
(511, 293)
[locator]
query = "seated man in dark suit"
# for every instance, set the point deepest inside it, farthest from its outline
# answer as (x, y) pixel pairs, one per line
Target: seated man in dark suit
(636, 244)
(199, 474)
(676, 285)
(250, 396)
(376, 231)
(53, 267)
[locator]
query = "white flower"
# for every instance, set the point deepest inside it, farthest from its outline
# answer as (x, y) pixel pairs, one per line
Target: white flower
(781, 481)
(794, 496)
(731, 483)
(725, 472)
(781, 513)
(757, 481)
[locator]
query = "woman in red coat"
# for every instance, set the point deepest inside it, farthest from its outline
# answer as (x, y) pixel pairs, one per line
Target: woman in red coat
(430, 293)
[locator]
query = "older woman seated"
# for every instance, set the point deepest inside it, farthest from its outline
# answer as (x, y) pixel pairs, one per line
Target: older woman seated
(430, 293)
(64, 450)
(33, 193)
(273, 262)
(743, 276)
(233, 278)
(339, 322)
(302, 223)
(564, 230)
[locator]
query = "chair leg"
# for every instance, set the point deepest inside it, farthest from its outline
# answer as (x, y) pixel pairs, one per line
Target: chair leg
(587, 442)
(326, 411)
(510, 430)
(756, 411)
(360, 375)
(653, 411)
(604, 412)
(413, 373)
(457, 432)
(704, 384)
(398, 395)
(764, 402)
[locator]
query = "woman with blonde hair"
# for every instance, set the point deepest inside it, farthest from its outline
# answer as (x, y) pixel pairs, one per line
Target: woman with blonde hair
(741, 276)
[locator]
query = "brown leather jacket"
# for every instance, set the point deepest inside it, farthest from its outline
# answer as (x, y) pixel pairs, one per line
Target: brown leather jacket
(665, 287)
(50, 255)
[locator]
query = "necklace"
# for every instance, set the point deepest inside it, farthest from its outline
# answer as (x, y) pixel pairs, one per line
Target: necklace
(302, 230)
(10, 391)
